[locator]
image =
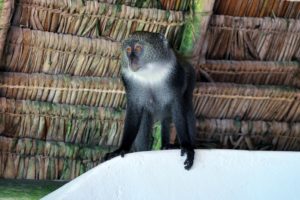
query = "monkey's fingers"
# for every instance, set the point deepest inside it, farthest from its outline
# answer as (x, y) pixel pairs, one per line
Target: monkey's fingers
(109, 156)
(188, 163)
(115, 153)
(182, 152)
(122, 153)
(169, 146)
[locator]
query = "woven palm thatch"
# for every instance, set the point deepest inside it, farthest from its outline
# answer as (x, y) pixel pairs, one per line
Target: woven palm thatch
(6, 11)
(242, 38)
(32, 51)
(37, 159)
(41, 167)
(80, 127)
(253, 135)
(179, 5)
(247, 102)
(59, 122)
(212, 100)
(258, 8)
(30, 147)
(74, 90)
(253, 72)
(94, 19)
(176, 4)
(160, 4)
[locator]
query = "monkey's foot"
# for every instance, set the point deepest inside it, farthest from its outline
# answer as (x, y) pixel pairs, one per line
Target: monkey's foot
(115, 153)
(169, 146)
(190, 154)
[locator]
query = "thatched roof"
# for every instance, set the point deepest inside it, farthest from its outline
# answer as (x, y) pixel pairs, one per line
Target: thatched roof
(257, 8)
(243, 38)
(32, 51)
(6, 11)
(94, 19)
(62, 101)
(253, 72)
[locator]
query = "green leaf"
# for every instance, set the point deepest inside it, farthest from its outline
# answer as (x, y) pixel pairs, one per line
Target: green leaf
(156, 136)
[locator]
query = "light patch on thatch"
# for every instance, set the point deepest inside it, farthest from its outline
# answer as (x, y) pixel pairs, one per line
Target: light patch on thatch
(74, 90)
(32, 51)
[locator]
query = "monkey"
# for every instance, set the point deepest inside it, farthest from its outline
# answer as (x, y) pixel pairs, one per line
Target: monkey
(159, 87)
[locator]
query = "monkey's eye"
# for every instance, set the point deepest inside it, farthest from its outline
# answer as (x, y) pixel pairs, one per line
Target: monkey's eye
(138, 48)
(128, 50)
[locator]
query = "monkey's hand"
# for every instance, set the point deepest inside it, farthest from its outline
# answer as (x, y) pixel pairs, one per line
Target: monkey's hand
(169, 146)
(190, 154)
(115, 153)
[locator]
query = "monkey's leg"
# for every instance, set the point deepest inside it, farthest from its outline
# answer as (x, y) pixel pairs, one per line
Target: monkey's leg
(165, 133)
(180, 120)
(191, 122)
(191, 125)
(143, 140)
(131, 127)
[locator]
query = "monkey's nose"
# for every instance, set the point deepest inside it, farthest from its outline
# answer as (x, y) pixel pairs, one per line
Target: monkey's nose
(134, 65)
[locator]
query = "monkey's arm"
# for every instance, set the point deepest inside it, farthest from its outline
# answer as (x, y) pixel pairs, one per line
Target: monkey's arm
(132, 123)
(188, 104)
(180, 119)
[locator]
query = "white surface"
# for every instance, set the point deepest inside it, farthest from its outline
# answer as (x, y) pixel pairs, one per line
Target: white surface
(216, 174)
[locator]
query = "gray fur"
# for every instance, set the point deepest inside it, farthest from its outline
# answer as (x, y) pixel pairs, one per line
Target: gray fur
(159, 87)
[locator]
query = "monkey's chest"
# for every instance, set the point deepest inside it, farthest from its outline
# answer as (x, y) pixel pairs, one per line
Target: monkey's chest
(157, 102)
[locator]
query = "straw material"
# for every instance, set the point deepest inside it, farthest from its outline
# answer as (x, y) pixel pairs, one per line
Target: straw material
(94, 19)
(6, 11)
(252, 72)
(179, 5)
(258, 8)
(36, 51)
(176, 4)
(30, 147)
(40, 167)
(62, 123)
(182, 5)
(252, 135)
(242, 38)
(212, 100)
(74, 90)
(247, 102)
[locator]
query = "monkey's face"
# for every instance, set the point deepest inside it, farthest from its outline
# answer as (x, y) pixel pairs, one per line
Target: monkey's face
(134, 52)
(144, 48)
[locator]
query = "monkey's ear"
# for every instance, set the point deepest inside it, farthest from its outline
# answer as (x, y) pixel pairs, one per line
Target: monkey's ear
(125, 43)
(164, 39)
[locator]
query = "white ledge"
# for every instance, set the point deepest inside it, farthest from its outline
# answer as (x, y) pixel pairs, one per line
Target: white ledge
(216, 174)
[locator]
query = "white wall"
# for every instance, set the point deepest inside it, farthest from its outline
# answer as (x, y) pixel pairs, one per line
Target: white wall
(216, 174)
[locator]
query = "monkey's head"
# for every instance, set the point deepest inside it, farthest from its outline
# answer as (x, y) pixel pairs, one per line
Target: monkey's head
(142, 48)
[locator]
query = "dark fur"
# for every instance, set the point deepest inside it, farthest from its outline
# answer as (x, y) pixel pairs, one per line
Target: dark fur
(170, 100)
